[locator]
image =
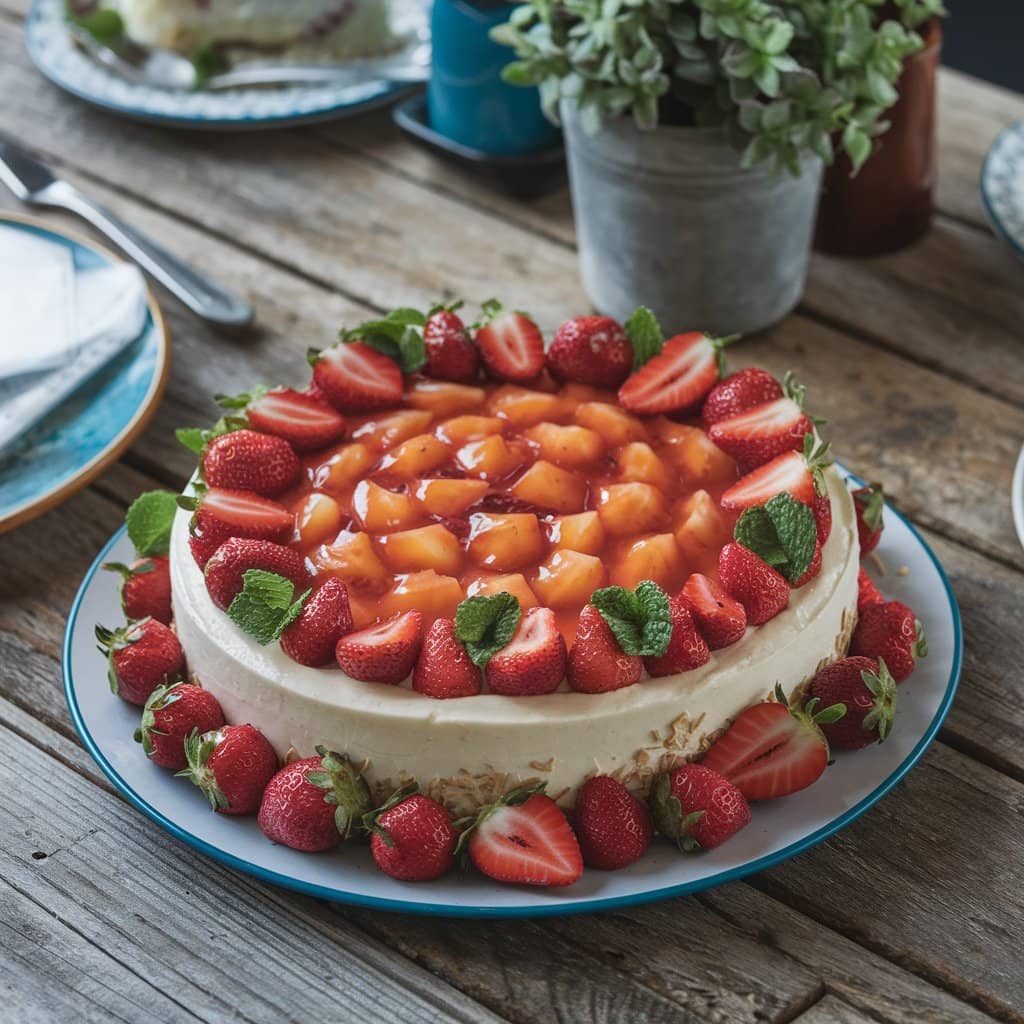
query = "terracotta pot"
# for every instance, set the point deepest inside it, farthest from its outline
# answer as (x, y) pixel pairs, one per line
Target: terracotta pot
(888, 205)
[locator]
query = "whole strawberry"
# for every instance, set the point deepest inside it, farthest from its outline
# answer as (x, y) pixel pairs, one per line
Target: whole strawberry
(869, 503)
(140, 657)
(231, 765)
(697, 808)
(226, 568)
(444, 668)
(313, 804)
(754, 583)
(596, 661)
(891, 633)
(686, 650)
(821, 506)
(245, 460)
(412, 837)
(591, 350)
(613, 828)
(145, 588)
(534, 660)
(450, 353)
(867, 592)
(868, 690)
(721, 619)
(325, 618)
(170, 714)
(738, 392)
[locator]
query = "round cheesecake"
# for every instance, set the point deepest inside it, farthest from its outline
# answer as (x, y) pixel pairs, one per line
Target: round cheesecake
(468, 751)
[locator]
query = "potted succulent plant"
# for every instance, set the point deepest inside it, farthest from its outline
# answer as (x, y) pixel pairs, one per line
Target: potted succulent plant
(696, 131)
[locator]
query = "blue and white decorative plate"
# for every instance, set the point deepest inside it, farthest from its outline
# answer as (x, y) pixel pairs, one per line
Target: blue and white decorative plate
(1002, 186)
(55, 54)
(779, 829)
(78, 440)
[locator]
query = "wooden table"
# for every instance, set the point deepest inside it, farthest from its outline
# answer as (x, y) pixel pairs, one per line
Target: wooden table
(912, 914)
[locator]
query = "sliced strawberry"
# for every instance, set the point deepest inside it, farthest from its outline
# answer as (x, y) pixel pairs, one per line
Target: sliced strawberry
(325, 618)
(533, 662)
(450, 353)
(510, 344)
(226, 569)
(678, 378)
(305, 422)
(754, 583)
(596, 661)
(772, 750)
(591, 350)
(738, 392)
(687, 649)
(246, 460)
(357, 378)
(867, 592)
(799, 473)
(869, 503)
(384, 653)
(444, 668)
(220, 514)
(696, 808)
(758, 435)
(525, 839)
(721, 619)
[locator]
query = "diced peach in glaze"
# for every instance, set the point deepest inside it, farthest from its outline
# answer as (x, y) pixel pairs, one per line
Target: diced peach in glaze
(427, 547)
(489, 459)
(448, 497)
(627, 509)
(462, 429)
(509, 583)
(548, 486)
(701, 461)
(638, 462)
(383, 431)
(317, 519)
(570, 446)
(428, 592)
(505, 542)
(701, 525)
(568, 578)
(342, 469)
(615, 425)
(416, 457)
(442, 398)
(648, 558)
(382, 511)
(577, 393)
(522, 407)
(353, 560)
(581, 532)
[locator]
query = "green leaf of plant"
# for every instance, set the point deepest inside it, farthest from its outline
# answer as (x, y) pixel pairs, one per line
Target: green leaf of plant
(104, 25)
(191, 438)
(264, 607)
(639, 620)
(756, 531)
(484, 625)
(149, 519)
(645, 335)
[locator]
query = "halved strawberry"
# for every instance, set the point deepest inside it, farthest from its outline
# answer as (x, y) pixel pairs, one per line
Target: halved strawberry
(678, 378)
(721, 619)
(869, 503)
(510, 343)
(305, 422)
(759, 434)
(738, 392)
(384, 653)
(356, 378)
(524, 839)
(686, 650)
(761, 590)
(444, 668)
(773, 749)
(534, 661)
(799, 473)
(450, 353)
(246, 460)
(222, 513)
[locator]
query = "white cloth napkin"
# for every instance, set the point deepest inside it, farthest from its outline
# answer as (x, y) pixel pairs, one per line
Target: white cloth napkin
(58, 326)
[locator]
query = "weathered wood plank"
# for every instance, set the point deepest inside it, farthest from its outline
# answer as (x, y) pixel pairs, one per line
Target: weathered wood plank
(190, 931)
(830, 1010)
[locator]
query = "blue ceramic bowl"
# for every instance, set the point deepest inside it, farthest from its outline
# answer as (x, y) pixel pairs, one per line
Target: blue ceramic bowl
(467, 100)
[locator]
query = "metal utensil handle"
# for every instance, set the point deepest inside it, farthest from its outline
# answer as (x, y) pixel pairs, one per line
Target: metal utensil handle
(313, 74)
(205, 298)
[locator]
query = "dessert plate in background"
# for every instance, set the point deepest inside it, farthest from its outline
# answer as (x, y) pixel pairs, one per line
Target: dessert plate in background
(56, 55)
(80, 438)
(1002, 186)
(778, 830)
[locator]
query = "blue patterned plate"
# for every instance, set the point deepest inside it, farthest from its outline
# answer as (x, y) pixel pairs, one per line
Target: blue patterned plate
(1002, 186)
(77, 441)
(55, 54)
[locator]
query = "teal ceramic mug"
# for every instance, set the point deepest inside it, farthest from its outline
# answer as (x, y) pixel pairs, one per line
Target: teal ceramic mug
(467, 100)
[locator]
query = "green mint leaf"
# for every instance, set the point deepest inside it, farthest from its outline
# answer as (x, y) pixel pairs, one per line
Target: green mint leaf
(639, 620)
(484, 625)
(192, 438)
(104, 25)
(756, 531)
(411, 350)
(149, 520)
(645, 335)
(399, 336)
(781, 533)
(264, 607)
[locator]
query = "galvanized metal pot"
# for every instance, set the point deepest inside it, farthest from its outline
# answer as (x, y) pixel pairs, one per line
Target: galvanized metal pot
(668, 219)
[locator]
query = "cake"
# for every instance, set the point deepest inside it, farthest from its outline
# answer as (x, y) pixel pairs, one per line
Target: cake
(548, 478)
(337, 28)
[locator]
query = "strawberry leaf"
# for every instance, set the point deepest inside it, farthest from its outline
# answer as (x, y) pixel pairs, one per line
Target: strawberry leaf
(781, 533)
(264, 607)
(149, 520)
(484, 625)
(645, 335)
(640, 620)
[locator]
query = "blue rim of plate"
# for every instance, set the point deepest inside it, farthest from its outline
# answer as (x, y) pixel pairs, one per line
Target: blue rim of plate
(580, 907)
(383, 93)
(995, 219)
